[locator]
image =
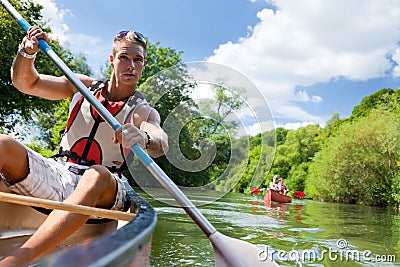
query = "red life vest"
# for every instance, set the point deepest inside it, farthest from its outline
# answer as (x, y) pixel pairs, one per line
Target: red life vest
(88, 139)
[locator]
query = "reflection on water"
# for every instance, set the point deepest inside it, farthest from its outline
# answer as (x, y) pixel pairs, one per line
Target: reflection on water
(323, 234)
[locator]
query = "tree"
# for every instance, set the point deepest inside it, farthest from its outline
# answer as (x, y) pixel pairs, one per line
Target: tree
(293, 156)
(213, 130)
(12, 103)
(219, 109)
(361, 163)
(16, 107)
(281, 134)
(382, 99)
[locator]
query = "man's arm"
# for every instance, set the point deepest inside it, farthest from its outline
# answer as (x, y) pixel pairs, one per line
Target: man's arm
(26, 78)
(146, 124)
(158, 142)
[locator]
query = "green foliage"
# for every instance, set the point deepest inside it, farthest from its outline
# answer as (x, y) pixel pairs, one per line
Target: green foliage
(159, 58)
(356, 165)
(205, 139)
(281, 134)
(293, 156)
(384, 99)
(297, 177)
(38, 147)
(247, 168)
(60, 123)
(332, 120)
(15, 106)
(359, 165)
(394, 198)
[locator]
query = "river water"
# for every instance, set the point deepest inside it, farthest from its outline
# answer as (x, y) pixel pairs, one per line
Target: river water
(303, 233)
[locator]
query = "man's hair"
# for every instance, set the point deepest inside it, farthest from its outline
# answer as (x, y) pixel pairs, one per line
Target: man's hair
(129, 37)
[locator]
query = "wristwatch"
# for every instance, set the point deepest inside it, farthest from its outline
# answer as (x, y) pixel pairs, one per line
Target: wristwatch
(23, 53)
(148, 140)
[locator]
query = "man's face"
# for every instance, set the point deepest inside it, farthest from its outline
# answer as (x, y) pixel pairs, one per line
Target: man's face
(128, 63)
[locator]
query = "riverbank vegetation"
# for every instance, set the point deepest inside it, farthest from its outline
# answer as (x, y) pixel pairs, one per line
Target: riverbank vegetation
(350, 160)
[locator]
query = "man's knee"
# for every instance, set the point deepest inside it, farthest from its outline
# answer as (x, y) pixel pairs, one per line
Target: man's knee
(10, 146)
(13, 159)
(98, 176)
(99, 180)
(6, 142)
(99, 171)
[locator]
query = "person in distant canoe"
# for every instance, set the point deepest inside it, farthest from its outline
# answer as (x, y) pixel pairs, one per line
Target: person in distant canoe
(92, 152)
(282, 188)
(274, 184)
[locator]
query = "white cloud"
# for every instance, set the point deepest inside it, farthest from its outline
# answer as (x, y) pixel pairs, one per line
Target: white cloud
(295, 125)
(55, 18)
(396, 59)
(257, 128)
(304, 97)
(305, 42)
(91, 45)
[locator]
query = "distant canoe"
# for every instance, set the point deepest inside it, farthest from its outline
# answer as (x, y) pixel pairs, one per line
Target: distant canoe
(113, 243)
(276, 197)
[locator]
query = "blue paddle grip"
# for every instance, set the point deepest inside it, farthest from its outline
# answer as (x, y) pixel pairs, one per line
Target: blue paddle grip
(42, 43)
(24, 24)
(44, 46)
(144, 158)
(115, 126)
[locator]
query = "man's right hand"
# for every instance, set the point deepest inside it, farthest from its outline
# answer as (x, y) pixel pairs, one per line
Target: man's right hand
(30, 43)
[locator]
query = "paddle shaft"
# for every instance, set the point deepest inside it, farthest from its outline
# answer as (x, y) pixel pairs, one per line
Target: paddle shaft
(154, 169)
(50, 204)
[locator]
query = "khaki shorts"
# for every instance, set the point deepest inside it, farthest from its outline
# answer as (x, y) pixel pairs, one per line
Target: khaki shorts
(51, 179)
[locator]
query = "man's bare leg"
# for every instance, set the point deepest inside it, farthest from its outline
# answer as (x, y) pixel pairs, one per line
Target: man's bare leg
(96, 188)
(14, 163)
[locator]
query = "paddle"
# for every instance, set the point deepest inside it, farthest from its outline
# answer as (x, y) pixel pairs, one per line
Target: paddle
(228, 251)
(255, 190)
(50, 204)
(298, 194)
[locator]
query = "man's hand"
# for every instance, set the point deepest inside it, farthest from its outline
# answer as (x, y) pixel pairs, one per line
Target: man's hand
(30, 43)
(128, 135)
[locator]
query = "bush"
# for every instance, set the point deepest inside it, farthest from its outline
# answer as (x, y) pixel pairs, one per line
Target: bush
(360, 164)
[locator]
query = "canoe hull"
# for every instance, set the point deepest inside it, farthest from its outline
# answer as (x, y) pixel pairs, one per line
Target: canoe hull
(272, 195)
(107, 244)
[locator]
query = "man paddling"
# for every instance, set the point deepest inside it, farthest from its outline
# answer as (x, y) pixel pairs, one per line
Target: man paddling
(93, 152)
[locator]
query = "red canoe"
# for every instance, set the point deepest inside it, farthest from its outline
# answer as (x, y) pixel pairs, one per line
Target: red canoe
(275, 196)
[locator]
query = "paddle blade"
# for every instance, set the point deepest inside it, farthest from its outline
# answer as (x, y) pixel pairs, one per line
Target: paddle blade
(255, 190)
(231, 252)
(298, 194)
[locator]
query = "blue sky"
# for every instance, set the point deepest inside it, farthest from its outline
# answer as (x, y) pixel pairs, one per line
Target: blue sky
(309, 58)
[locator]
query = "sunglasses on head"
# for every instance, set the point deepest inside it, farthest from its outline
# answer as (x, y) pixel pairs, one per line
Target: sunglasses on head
(137, 36)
